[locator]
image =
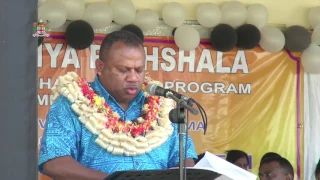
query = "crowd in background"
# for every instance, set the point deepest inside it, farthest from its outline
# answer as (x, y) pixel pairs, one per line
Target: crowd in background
(272, 165)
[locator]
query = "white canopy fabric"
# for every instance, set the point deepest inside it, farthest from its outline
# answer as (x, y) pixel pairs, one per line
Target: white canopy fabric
(311, 124)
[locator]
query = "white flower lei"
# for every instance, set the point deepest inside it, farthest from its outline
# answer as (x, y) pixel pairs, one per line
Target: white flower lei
(115, 143)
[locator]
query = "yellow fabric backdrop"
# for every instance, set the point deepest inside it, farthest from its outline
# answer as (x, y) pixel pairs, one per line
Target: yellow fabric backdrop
(251, 97)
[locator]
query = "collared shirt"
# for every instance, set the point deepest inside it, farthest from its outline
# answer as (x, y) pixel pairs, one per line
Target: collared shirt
(64, 135)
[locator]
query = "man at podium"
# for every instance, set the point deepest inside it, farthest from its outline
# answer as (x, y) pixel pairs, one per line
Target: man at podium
(111, 124)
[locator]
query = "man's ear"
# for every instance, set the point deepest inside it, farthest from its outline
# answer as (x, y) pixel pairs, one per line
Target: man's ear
(99, 66)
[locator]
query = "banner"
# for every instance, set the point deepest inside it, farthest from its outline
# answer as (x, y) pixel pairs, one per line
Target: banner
(252, 98)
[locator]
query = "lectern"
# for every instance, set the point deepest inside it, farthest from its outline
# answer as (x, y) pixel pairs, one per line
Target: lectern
(170, 174)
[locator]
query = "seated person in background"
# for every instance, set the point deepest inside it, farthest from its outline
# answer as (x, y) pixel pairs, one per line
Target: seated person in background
(276, 168)
(269, 155)
(69, 148)
(238, 158)
(318, 171)
(225, 175)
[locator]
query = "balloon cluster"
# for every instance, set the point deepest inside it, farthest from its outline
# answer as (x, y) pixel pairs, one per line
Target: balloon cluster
(227, 24)
(98, 14)
(80, 32)
(231, 25)
(310, 58)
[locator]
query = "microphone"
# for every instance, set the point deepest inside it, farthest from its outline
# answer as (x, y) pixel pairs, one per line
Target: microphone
(156, 90)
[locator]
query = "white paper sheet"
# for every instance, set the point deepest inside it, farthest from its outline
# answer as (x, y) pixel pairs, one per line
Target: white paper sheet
(223, 177)
(225, 168)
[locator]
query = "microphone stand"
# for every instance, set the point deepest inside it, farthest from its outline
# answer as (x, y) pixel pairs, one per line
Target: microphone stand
(180, 119)
(182, 133)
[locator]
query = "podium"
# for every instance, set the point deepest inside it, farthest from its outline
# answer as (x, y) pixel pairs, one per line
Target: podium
(170, 174)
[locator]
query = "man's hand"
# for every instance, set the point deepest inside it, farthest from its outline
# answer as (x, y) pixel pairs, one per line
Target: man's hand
(188, 163)
(66, 168)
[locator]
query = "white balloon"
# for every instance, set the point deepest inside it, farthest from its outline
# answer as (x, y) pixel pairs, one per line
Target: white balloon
(187, 37)
(208, 15)
(257, 15)
(54, 12)
(147, 19)
(234, 13)
(272, 39)
(314, 16)
(124, 11)
(98, 15)
(75, 8)
(315, 38)
(173, 14)
(40, 2)
(310, 59)
(88, 2)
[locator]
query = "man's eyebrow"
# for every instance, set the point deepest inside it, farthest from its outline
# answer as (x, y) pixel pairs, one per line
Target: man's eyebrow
(123, 66)
(141, 67)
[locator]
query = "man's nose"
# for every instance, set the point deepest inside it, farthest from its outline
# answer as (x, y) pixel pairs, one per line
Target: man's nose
(132, 76)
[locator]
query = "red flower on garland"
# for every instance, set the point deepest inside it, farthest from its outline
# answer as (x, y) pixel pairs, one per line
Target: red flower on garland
(86, 90)
(116, 124)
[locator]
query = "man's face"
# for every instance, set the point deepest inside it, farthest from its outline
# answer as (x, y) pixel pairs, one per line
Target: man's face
(242, 163)
(273, 171)
(318, 176)
(122, 73)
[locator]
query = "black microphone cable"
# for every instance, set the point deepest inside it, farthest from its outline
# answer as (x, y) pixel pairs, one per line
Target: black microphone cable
(205, 125)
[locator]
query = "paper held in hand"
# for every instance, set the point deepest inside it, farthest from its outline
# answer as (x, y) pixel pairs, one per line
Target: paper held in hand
(229, 171)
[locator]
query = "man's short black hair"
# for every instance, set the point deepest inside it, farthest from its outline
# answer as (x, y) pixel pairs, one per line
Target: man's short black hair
(128, 38)
(318, 168)
(269, 155)
(234, 155)
(283, 162)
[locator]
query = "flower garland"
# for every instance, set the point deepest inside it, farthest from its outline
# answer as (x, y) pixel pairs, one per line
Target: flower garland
(117, 136)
